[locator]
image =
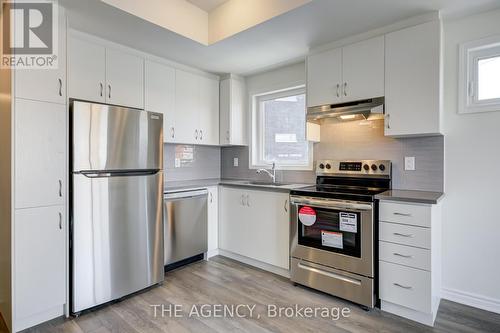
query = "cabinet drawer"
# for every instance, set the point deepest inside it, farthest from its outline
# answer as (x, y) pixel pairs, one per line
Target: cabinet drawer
(405, 235)
(405, 286)
(405, 214)
(405, 255)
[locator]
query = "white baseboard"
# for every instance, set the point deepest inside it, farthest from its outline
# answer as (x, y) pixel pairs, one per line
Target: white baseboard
(259, 264)
(211, 253)
(471, 299)
(399, 310)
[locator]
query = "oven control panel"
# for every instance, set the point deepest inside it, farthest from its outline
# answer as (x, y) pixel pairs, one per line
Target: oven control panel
(361, 167)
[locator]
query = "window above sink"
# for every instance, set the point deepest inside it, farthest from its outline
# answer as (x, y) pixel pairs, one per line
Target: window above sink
(279, 130)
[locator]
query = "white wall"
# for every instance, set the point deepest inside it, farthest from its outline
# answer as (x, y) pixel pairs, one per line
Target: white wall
(471, 212)
(281, 78)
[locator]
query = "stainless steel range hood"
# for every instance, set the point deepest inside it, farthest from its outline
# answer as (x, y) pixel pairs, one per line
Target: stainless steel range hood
(347, 111)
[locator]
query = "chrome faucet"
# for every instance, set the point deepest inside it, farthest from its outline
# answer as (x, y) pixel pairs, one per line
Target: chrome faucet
(270, 174)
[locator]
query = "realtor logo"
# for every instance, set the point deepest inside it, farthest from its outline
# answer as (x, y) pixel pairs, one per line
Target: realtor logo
(29, 34)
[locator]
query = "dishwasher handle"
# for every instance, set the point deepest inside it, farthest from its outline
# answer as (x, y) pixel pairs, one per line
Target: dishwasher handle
(185, 195)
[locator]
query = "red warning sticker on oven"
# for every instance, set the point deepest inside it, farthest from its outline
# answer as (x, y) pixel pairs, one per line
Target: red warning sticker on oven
(307, 216)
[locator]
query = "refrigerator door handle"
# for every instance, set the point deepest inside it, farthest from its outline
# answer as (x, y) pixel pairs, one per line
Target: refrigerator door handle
(106, 174)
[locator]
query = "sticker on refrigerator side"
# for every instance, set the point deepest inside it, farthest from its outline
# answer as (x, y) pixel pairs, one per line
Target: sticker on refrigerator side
(332, 239)
(348, 222)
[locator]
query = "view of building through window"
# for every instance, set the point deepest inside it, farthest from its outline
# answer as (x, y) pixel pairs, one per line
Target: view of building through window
(284, 130)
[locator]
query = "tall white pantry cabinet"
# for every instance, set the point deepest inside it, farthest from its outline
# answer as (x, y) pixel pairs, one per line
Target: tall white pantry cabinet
(33, 185)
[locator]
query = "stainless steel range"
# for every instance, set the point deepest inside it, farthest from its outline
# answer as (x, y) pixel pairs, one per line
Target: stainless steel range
(333, 229)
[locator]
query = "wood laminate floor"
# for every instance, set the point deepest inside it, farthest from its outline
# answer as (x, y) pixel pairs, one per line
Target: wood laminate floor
(224, 281)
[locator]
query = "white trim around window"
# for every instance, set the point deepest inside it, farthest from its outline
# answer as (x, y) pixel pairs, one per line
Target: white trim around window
(472, 54)
(257, 144)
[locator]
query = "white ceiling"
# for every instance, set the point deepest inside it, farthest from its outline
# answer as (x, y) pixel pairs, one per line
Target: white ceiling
(207, 5)
(283, 39)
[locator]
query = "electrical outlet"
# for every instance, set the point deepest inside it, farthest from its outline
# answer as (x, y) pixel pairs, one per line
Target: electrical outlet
(235, 161)
(409, 163)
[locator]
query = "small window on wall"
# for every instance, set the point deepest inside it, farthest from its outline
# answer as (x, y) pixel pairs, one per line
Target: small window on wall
(279, 130)
(480, 76)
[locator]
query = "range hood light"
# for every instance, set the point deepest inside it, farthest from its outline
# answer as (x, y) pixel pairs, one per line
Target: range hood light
(348, 117)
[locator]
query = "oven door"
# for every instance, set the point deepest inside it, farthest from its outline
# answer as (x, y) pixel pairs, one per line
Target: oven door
(333, 233)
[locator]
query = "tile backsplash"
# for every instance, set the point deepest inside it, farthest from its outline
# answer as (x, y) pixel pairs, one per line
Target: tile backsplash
(359, 140)
(206, 163)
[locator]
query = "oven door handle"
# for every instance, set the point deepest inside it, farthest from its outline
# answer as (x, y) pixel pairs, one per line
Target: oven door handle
(332, 204)
(330, 274)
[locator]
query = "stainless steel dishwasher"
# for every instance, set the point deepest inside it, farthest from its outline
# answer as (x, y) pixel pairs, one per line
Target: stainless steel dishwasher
(185, 225)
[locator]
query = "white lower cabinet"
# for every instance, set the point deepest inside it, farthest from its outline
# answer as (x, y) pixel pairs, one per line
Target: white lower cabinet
(255, 224)
(213, 216)
(39, 265)
(410, 260)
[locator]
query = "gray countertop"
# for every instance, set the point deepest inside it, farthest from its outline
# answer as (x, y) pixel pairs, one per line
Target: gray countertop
(173, 186)
(424, 197)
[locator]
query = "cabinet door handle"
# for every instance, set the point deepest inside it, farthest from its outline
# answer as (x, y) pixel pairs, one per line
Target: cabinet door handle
(109, 91)
(338, 90)
(196, 134)
(401, 286)
(201, 135)
(227, 136)
(102, 89)
(345, 88)
(387, 120)
(242, 200)
(286, 205)
(248, 200)
(402, 235)
(402, 255)
(60, 86)
(60, 188)
(60, 220)
(172, 132)
(211, 197)
(402, 214)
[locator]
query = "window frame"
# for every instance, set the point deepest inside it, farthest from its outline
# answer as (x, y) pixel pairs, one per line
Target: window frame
(470, 55)
(257, 130)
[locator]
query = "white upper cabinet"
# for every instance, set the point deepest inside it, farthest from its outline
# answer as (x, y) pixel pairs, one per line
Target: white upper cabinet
(186, 107)
(159, 95)
(413, 81)
(124, 79)
(40, 153)
(100, 74)
(86, 70)
(189, 101)
(196, 108)
(209, 111)
(324, 78)
(351, 73)
(47, 85)
(363, 70)
(233, 118)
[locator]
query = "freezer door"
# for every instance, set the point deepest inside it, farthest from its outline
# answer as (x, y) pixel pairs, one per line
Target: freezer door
(117, 236)
(114, 138)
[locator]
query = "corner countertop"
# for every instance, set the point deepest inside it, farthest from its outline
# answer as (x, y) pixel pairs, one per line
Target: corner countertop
(423, 197)
(173, 186)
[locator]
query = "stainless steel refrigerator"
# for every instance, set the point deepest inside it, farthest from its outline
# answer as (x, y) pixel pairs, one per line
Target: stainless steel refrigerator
(116, 202)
